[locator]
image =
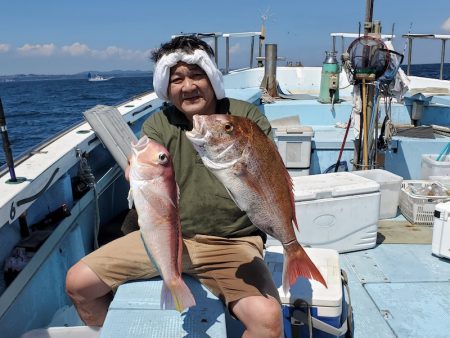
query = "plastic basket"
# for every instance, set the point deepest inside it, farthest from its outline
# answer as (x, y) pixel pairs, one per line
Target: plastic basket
(418, 209)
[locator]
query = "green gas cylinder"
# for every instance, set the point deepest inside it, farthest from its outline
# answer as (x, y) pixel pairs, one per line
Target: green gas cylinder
(329, 82)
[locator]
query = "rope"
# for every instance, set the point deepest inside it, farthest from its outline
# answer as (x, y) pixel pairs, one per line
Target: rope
(390, 128)
(86, 175)
(350, 84)
(266, 97)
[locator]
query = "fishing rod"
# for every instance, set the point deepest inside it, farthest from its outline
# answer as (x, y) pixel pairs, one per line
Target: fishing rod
(6, 144)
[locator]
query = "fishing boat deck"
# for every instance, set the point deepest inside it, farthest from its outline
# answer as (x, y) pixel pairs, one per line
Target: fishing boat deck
(397, 289)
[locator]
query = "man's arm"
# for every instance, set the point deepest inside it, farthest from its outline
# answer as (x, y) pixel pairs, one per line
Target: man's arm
(261, 120)
(150, 130)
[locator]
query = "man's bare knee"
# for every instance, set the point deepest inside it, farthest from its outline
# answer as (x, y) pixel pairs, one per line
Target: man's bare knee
(90, 295)
(83, 284)
(260, 315)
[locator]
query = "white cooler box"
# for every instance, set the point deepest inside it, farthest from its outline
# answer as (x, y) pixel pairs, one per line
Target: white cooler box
(326, 306)
(294, 146)
(337, 211)
(440, 244)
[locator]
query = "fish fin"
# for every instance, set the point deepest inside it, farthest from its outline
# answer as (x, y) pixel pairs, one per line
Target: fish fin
(176, 297)
(290, 184)
(298, 264)
(166, 301)
(294, 220)
(130, 199)
(288, 181)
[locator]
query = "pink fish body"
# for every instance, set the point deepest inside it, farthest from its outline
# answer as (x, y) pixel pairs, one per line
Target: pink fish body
(155, 195)
(248, 164)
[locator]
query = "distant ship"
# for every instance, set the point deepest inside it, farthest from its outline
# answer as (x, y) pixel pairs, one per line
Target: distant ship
(96, 78)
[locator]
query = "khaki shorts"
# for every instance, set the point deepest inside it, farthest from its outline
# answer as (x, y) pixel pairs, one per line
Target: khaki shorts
(231, 268)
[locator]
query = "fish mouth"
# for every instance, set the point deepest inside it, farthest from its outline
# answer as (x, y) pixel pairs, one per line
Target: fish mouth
(197, 134)
(137, 148)
(141, 144)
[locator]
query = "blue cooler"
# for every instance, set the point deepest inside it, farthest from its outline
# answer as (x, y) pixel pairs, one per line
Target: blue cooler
(310, 309)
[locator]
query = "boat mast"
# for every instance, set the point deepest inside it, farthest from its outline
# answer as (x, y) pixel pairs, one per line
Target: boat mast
(369, 17)
(367, 99)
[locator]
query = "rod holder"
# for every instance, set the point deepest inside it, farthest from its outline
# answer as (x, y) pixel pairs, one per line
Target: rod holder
(269, 81)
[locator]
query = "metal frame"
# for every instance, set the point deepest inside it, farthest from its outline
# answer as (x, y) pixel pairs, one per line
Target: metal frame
(355, 36)
(443, 39)
(227, 37)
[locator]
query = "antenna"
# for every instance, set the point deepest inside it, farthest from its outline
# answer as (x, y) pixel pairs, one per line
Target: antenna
(264, 18)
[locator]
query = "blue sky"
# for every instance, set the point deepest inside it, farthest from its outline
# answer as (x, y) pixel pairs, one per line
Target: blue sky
(66, 37)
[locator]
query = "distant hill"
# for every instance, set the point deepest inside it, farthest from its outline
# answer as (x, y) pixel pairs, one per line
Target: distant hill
(82, 75)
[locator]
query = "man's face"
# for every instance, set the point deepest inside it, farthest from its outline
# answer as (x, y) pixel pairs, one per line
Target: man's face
(190, 90)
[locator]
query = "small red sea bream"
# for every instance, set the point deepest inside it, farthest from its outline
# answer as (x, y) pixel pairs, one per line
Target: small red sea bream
(248, 164)
(155, 195)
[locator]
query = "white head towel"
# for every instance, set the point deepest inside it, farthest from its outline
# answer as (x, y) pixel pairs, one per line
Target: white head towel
(161, 73)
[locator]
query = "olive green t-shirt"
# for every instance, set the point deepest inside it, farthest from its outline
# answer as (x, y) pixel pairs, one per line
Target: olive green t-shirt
(205, 205)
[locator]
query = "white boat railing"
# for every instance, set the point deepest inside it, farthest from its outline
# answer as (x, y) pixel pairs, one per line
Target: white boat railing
(344, 36)
(441, 37)
(227, 37)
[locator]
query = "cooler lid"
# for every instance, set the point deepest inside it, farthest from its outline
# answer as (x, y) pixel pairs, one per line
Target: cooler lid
(294, 130)
(326, 260)
(331, 185)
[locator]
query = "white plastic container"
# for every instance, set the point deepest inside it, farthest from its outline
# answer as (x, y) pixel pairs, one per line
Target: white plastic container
(418, 207)
(326, 303)
(440, 244)
(337, 211)
(390, 185)
(431, 167)
(294, 146)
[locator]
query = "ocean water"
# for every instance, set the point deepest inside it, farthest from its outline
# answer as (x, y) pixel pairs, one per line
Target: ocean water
(37, 110)
(431, 70)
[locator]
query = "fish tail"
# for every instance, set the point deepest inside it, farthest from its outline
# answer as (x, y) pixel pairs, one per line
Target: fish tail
(298, 264)
(176, 296)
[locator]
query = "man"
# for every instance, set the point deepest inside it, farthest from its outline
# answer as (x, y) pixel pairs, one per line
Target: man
(222, 248)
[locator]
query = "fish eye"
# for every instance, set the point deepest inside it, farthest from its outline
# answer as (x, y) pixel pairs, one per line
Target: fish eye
(162, 157)
(228, 127)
